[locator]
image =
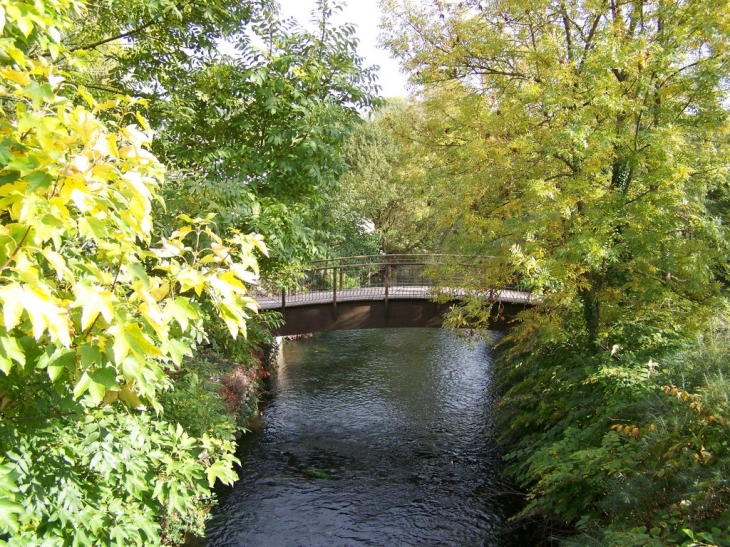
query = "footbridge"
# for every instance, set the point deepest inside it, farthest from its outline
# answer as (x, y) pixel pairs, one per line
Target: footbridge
(378, 291)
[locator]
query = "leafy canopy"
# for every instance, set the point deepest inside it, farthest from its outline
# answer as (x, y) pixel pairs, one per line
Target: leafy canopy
(385, 189)
(255, 136)
(97, 309)
(584, 146)
(580, 142)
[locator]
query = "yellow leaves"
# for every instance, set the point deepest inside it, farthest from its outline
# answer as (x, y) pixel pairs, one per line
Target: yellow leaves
(149, 308)
(42, 309)
(81, 90)
(221, 251)
(76, 191)
(82, 123)
(12, 305)
(694, 403)
(24, 18)
(106, 145)
(675, 392)
(628, 430)
(130, 398)
(234, 319)
(181, 310)
(227, 285)
(20, 77)
(161, 291)
(140, 190)
(94, 301)
(16, 54)
(137, 138)
(247, 244)
(78, 204)
(129, 338)
(143, 122)
(244, 274)
(181, 233)
(170, 248)
(191, 279)
(59, 265)
(10, 351)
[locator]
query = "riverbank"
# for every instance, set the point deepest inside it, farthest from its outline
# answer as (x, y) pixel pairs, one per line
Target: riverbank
(217, 395)
(620, 448)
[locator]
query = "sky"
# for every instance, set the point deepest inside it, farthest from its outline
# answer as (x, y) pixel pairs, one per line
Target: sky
(365, 15)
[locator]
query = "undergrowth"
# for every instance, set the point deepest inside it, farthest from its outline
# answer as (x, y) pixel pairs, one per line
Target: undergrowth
(624, 448)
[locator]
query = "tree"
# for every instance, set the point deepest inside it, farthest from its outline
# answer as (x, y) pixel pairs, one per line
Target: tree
(386, 188)
(97, 308)
(581, 141)
(585, 145)
(255, 136)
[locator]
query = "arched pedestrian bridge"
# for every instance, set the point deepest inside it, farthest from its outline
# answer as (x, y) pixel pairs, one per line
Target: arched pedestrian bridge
(380, 291)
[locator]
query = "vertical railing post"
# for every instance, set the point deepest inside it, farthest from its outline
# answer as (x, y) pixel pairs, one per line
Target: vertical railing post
(387, 287)
(334, 293)
(342, 262)
(283, 303)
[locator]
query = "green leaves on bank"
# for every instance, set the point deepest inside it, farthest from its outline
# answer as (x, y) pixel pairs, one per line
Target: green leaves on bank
(98, 308)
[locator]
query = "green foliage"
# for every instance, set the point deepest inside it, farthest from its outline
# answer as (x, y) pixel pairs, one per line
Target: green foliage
(275, 122)
(621, 441)
(101, 478)
(195, 401)
(100, 314)
(385, 189)
(254, 137)
(97, 309)
(577, 143)
(584, 146)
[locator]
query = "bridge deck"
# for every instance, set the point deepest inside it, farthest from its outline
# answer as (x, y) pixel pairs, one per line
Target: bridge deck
(385, 291)
(272, 302)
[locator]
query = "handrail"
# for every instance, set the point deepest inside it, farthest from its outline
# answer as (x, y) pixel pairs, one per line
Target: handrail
(363, 264)
(396, 276)
(396, 255)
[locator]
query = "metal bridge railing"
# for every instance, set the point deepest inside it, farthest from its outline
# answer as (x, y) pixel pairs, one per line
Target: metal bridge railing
(372, 277)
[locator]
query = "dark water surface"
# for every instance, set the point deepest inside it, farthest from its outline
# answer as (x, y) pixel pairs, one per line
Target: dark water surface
(376, 437)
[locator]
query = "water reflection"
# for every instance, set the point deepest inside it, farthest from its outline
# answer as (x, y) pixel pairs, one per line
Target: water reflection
(375, 437)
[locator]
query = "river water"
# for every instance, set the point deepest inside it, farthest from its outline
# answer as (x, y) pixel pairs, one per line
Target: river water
(373, 437)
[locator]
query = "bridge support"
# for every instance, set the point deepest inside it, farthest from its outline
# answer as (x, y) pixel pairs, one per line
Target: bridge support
(387, 289)
(372, 314)
(283, 303)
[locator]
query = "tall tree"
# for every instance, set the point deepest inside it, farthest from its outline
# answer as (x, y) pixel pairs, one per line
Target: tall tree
(254, 137)
(97, 308)
(585, 147)
(385, 194)
(581, 140)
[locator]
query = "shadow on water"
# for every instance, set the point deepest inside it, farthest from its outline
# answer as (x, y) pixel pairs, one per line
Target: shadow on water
(378, 437)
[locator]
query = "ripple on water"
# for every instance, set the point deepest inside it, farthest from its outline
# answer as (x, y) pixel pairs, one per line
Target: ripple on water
(373, 438)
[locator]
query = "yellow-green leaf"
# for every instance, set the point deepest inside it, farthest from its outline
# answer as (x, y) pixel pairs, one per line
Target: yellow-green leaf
(94, 301)
(180, 310)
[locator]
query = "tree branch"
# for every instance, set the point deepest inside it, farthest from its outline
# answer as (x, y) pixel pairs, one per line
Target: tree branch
(132, 32)
(15, 252)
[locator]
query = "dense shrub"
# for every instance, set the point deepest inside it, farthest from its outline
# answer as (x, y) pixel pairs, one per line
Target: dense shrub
(631, 449)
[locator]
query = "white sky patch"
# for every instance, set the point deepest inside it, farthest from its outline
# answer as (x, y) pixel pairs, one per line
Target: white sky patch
(365, 15)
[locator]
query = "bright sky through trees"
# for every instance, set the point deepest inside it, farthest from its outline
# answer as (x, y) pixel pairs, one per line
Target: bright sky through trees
(366, 15)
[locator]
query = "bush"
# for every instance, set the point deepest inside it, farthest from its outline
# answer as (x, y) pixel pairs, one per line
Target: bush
(628, 449)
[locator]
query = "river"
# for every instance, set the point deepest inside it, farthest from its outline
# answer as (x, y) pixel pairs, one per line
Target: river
(373, 437)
